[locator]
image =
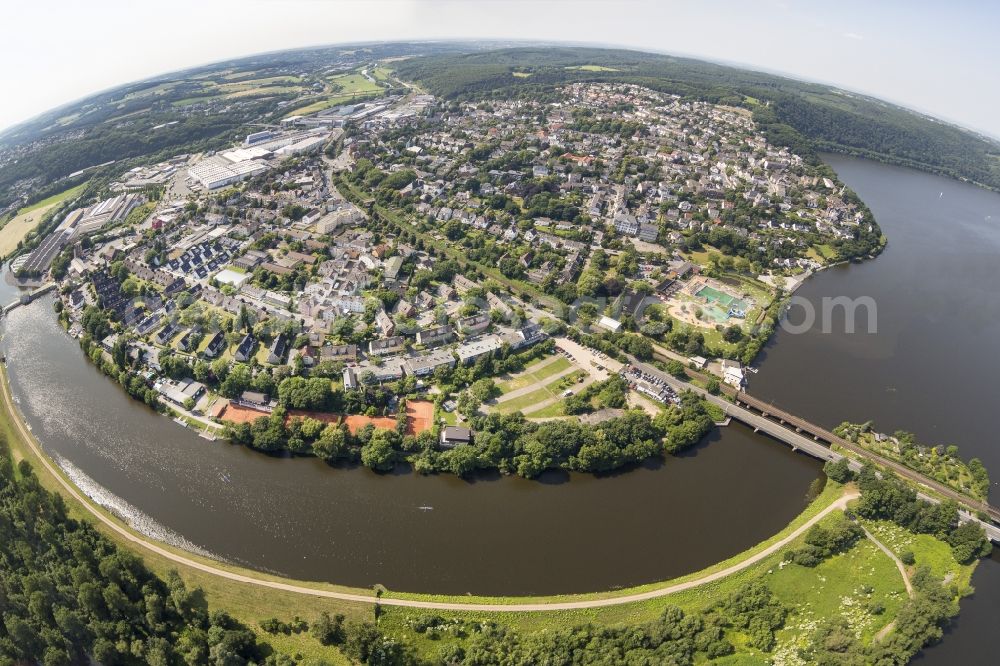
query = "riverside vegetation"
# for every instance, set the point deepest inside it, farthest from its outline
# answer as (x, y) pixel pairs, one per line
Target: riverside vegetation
(938, 462)
(508, 443)
(98, 601)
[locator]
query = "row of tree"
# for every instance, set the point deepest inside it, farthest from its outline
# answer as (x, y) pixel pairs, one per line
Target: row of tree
(508, 443)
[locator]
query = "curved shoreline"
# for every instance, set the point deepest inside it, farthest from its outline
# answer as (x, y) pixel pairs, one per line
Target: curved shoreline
(136, 539)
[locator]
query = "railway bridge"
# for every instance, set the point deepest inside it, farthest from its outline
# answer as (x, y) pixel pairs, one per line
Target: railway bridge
(813, 440)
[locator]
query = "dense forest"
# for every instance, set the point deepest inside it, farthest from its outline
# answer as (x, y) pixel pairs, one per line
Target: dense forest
(804, 116)
(68, 595)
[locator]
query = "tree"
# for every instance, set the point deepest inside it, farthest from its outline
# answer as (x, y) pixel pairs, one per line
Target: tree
(362, 642)
(468, 404)
(823, 542)
(484, 389)
(237, 380)
(327, 630)
(95, 322)
(378, 454)
(119, 352)
(220, 369)
(839, 471)
(676, 368)
(302, 393)
(71, 596)
(969, 542)
(461, 460)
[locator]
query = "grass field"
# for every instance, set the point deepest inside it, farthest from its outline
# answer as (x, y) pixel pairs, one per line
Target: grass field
(29, 217)
(551, 390)
(271, 85)
(263, 91)
(195, 100)
(554, 410)
(382, 74)
(344, 88)
(257, 83)
(530, 375)
(593, 68)
(821, 253)
(927, 551)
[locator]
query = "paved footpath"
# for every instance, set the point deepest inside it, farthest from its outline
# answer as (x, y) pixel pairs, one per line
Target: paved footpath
(152, 546)
(531, 388)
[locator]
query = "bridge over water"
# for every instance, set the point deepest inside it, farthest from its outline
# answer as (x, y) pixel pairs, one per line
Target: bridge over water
(27, 297)
(802, 435)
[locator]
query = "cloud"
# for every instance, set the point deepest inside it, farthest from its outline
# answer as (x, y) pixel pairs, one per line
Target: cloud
(853, 35)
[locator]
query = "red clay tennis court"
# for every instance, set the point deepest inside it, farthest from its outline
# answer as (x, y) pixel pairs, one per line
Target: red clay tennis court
(419, 417)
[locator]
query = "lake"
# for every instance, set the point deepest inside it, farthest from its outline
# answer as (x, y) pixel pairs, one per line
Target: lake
(932, 365)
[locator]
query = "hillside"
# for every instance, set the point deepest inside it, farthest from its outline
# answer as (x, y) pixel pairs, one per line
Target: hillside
(204, 108)
(806, 116)
(188, 111)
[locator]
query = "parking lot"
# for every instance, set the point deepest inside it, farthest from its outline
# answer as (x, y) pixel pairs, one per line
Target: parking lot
(599, 365)
(650, 386)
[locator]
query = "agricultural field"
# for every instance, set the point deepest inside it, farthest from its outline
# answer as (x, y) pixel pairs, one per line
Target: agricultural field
(593, 68)
(29, 217)
(342, 89)
(381, 74)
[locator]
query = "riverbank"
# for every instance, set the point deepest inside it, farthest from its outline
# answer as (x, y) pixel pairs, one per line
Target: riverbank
(25, 446)
(252, 597)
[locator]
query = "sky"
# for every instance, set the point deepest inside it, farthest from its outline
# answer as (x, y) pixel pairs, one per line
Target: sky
(936, 57)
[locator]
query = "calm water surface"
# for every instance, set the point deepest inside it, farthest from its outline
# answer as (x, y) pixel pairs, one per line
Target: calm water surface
(933, 364)
(931, 368)
(302, 518)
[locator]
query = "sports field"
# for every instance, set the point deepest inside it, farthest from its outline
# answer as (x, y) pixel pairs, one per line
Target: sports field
(713, 295)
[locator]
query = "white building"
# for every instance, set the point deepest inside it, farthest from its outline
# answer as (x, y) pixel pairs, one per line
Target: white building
(213, 174)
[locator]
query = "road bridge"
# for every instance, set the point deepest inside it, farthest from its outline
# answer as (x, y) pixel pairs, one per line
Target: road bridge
(816, 441)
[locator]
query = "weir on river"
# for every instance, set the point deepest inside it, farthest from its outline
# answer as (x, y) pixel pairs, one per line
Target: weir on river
(27, 297)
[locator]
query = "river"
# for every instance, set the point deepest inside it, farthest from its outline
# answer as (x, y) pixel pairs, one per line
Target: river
(300, 517)
(929, 368)
(932, 365)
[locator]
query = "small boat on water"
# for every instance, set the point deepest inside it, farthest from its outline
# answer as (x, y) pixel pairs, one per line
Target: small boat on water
(426, 508)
